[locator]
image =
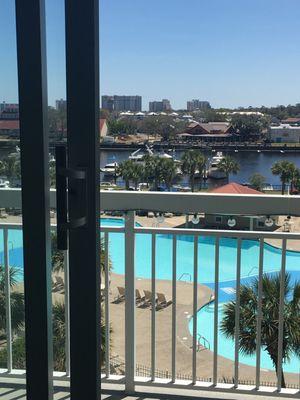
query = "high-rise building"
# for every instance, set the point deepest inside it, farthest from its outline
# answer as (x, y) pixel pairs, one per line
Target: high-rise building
(9, 110)
(196, 104)
(108, 102)
(159, 106)
(122, 103)
(60, 105)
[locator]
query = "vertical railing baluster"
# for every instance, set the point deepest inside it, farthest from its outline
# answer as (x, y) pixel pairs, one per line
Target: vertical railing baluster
(237, 313)
(215, 358)
(259, 312)
(7, 301)
(153, 301)
(281, 316)
(195, 304)
(174, 281)
(130, 350)
(106, 296)
(67, 310)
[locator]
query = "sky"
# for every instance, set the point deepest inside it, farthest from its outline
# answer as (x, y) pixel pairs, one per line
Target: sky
(230, 52)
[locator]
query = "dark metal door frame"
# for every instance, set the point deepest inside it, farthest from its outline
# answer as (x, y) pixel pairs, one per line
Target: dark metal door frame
(82, 66)
(32, 79)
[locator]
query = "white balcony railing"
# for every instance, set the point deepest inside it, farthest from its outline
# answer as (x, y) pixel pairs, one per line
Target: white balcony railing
(129, 202)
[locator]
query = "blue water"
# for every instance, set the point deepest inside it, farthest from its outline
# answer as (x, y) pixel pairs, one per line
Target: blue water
(206, 272)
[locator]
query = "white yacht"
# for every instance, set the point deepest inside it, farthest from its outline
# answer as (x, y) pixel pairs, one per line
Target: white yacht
(213, 170)
(109, 169)
(138, 155)
(16, 154)
(4, 183)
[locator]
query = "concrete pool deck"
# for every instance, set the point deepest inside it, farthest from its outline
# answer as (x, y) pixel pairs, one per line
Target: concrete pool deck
(183, 338)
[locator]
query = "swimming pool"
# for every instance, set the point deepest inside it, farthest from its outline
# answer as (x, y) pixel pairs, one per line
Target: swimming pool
(206, 271)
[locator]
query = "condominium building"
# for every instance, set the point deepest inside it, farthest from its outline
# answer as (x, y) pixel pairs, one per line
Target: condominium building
(196, 104)
(158, 106)
(122, 103)
(60, 104)
(9, 111)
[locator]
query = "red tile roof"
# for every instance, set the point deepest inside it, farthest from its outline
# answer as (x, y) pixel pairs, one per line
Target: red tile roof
(9, 124)
(102, 121)
(235, 188)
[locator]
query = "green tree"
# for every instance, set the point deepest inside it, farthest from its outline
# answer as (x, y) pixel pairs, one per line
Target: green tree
(270, 318)
(285, 170)
(127, 170)
(249, 126)
(257, 181)
(193, 162)
(152, 170)
(16, 299)
(168, 171)
(11, 167)
(228, 165)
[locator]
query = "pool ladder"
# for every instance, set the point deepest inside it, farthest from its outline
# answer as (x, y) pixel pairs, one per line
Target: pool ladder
(251, 270)
(185, 274)
(205, 343)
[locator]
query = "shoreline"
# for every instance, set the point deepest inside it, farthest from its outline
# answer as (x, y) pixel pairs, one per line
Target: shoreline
(10, 143)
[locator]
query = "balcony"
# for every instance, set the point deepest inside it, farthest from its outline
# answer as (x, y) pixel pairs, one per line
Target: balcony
(177, 346)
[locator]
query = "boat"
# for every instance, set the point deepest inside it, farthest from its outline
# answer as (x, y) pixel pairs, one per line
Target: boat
(138, 155)
(110, 169)
(4, 183)
(16, 154)
(213, 170)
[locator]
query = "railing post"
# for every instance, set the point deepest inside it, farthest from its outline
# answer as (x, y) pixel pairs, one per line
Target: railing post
(129, 302)
(7, 301)
(67, 311)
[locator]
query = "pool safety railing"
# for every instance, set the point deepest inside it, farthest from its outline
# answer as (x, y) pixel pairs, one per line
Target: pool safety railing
(185, 203)
(202, 342)
(185, 274)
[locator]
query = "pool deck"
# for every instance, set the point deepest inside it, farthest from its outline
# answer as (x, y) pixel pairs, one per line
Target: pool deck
(293, 245)
(183, 338)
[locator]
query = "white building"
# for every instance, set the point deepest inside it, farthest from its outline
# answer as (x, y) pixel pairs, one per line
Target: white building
(284, 133)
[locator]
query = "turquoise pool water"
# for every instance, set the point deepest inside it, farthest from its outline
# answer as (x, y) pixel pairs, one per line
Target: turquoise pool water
(206, 265)
(206, 271)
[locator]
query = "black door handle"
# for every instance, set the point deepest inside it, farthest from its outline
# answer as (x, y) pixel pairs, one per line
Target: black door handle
(62, 175)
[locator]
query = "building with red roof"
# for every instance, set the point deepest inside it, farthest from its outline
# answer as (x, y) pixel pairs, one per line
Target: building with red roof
(235, 188)
(103, 128)
(9, 127)
(239, 222)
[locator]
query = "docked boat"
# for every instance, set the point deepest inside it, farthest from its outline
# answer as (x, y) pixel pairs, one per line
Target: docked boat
(4, 183)
(213, 170)
(16, 154)
(138, 155)
(109, 169)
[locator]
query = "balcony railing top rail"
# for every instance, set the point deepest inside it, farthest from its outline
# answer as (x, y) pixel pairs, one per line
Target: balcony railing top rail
(233, 204)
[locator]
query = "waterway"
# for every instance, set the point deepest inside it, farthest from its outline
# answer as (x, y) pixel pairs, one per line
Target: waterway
(250, 163)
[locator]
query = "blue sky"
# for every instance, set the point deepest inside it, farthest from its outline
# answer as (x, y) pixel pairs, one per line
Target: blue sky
(230, 52)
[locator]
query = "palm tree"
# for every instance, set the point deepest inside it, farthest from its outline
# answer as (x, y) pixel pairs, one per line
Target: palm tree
(270, 318)
(168, 171)
(137, 172)
(11, 167)
(228, 165)
(192, 162)
(16, 298)
(152, 170)
(125, 171)
(59, 336)
(285, 170)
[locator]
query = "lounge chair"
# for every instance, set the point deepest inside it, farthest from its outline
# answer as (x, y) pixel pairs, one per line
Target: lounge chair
(162, 301)
(121, 294)
(139, 299)
(148, 298)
